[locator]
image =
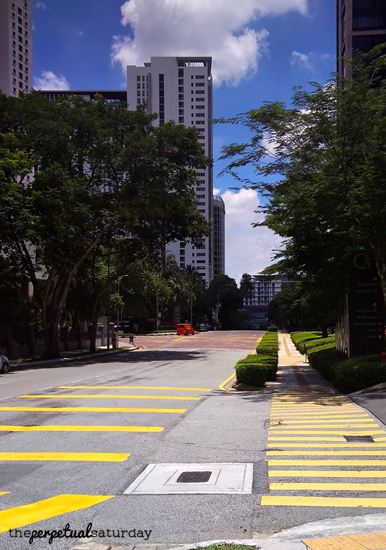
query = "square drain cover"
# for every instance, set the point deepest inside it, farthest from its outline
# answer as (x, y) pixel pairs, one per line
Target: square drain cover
(172, 479)
(359, 438)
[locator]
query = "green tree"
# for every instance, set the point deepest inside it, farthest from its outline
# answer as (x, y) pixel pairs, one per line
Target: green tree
(98, 171)
(226, 301)
(325, 182)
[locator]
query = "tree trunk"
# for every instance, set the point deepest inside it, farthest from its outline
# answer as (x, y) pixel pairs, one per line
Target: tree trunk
(51, 339)
(324, 331)
(93, 332)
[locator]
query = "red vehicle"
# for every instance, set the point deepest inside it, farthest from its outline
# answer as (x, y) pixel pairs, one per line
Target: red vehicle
(184, 329)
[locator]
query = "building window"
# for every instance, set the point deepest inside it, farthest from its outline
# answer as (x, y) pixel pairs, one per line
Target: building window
(200, 76)
(200, 83)
(161, 93)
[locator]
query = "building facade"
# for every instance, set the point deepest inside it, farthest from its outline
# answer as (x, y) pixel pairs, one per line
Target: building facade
(361, 25)
(264, 288)
(179, 89)
(218, 236)
(15, 46)
(89, 95)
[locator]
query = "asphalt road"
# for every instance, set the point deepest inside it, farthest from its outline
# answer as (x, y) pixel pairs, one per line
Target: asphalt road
(163, 404)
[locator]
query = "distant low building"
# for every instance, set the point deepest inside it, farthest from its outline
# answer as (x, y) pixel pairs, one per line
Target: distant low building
(264, 288)
(107, 95)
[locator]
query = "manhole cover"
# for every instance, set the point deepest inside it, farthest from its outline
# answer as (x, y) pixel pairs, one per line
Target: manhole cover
(359, 438)
(215, 478)
(194, 477)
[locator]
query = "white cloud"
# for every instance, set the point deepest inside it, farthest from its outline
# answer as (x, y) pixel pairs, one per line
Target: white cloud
(216, 190)
(308, 61)
(217, 28)
(51, 81)
(40, 5)
(247, 249)
(301, 60)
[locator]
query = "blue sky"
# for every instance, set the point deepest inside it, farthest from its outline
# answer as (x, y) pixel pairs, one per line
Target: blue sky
(261, 49)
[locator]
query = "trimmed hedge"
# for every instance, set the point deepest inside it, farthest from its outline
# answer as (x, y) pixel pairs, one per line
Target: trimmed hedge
(257, 369)
(348, 375)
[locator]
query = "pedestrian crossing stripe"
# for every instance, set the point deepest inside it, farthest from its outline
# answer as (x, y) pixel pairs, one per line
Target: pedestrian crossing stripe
(353, 445)
(94, 410)
(326, 432)
(62, 428)
(315, 423)
(327, 462)
(327, 486)
(166, 388)
(306, 438)
(353, 425)
(335, 502)
(109, 396)
(63, 456)
(348, 452)
(13, 518)
(328, 473)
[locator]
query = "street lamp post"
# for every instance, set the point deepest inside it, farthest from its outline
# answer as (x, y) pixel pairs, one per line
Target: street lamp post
(118, 283)
(218, 304)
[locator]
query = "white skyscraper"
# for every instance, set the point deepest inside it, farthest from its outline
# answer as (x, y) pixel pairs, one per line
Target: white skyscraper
(179, 89)
(15, 46)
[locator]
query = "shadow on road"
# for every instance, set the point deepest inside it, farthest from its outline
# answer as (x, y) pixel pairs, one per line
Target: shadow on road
(121, 357)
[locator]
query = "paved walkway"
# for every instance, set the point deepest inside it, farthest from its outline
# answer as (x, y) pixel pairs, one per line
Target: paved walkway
(323, 450)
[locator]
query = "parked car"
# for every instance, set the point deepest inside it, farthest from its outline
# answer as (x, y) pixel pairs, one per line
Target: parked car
(203, 327)
(185, 329)
(4, 364)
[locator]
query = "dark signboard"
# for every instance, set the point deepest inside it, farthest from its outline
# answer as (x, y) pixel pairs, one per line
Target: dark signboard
(365, 308)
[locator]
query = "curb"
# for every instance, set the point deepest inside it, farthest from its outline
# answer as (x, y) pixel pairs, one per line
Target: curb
(66, 360)
(258, 544)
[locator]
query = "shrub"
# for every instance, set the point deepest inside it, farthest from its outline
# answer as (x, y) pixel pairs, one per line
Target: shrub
(251, 374)
(346, 374)
(268, 345)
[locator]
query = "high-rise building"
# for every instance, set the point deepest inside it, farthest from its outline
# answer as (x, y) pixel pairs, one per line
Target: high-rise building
(218, 236)
(15, 46)
(179, 89)
(361, 25)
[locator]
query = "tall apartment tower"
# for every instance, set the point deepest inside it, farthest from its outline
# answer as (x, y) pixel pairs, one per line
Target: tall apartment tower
(361, 25)
(218, 236)
(15, 46)
(179, 89)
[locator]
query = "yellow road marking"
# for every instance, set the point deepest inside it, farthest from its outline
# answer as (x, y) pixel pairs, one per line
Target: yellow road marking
(327, 453)
(70, 457)
(109, 396)
(325, 432)
(226, 381)
(4, 493)
(283, 426)
(171, 388)
(336, 502)
(60, 428)
(353, 445)
(93, 409)
(327, 486)
(314, 423)
(295, 438)
(45, 509)
(346, 462)
(317, 417)
(328, 473)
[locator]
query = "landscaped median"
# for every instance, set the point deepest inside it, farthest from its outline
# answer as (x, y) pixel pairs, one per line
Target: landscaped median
(258, 368)
(348, 375)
